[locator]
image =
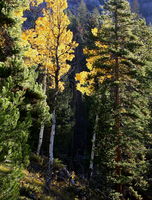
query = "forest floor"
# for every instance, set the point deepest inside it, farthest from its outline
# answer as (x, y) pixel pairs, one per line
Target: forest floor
(62, 186)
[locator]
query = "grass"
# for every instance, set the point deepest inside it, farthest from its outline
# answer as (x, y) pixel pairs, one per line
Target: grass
(33, 183)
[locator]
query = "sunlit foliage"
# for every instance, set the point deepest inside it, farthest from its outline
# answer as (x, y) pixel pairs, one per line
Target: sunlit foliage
(51, 42)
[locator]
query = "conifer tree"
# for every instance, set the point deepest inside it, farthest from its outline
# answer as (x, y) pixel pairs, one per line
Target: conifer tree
(17, 85)
(82, 20)
(135, 6)
(118, 64)
(13, 134)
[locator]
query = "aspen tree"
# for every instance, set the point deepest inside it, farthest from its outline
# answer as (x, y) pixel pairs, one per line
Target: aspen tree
(52, 46)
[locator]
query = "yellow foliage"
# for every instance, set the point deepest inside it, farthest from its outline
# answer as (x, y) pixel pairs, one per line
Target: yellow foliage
(4, 169)
(35, 2)
(52, 42)
(94, 31)
(89, 81)
(18, 12)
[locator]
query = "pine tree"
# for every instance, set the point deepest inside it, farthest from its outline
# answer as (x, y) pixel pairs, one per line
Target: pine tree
(12, 134)
(19, 95)
(118, 64)
(135, 6)
(82, 21)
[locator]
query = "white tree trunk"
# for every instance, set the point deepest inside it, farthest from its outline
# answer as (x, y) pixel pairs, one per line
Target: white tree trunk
(52, 135)
(41, 133)
(40, 139)
(93, 147)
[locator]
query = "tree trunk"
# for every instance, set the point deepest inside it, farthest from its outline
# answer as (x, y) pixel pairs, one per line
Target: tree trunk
(42, 125)
(93, 148)
(80, 134)
(51, 146)
(117, 127)
(40, 139)
(118, 158)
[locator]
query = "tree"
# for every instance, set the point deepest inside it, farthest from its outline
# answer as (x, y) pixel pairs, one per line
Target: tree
(11, 149)
(118, 61)
(53, 47)
(135, 6)
(82, 21)
(20, 94)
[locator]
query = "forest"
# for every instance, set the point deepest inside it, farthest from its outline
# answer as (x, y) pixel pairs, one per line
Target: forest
(75, 101)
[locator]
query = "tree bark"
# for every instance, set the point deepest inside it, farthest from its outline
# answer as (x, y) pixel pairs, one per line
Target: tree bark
(117, 126)
(41, 133)
(40, 139)
(51, 146)
(93, 148)
(118, 158)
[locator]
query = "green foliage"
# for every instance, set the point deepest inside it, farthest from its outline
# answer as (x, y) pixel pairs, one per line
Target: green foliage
(65, 120)
(13, 137)
(9, 189)
(32, 184)
(20, 94)
(122, 102)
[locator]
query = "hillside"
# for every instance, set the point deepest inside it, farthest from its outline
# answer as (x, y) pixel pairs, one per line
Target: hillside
(76, 100)
(144, 6)
(146, 9)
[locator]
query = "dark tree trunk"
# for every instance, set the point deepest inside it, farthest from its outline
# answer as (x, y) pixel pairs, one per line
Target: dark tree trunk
(117, 102)
(79, 139)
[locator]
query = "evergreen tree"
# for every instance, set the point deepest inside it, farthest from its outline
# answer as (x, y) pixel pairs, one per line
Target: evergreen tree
(82, 21)
(118, 64)
(135, 6)
(20, 94)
